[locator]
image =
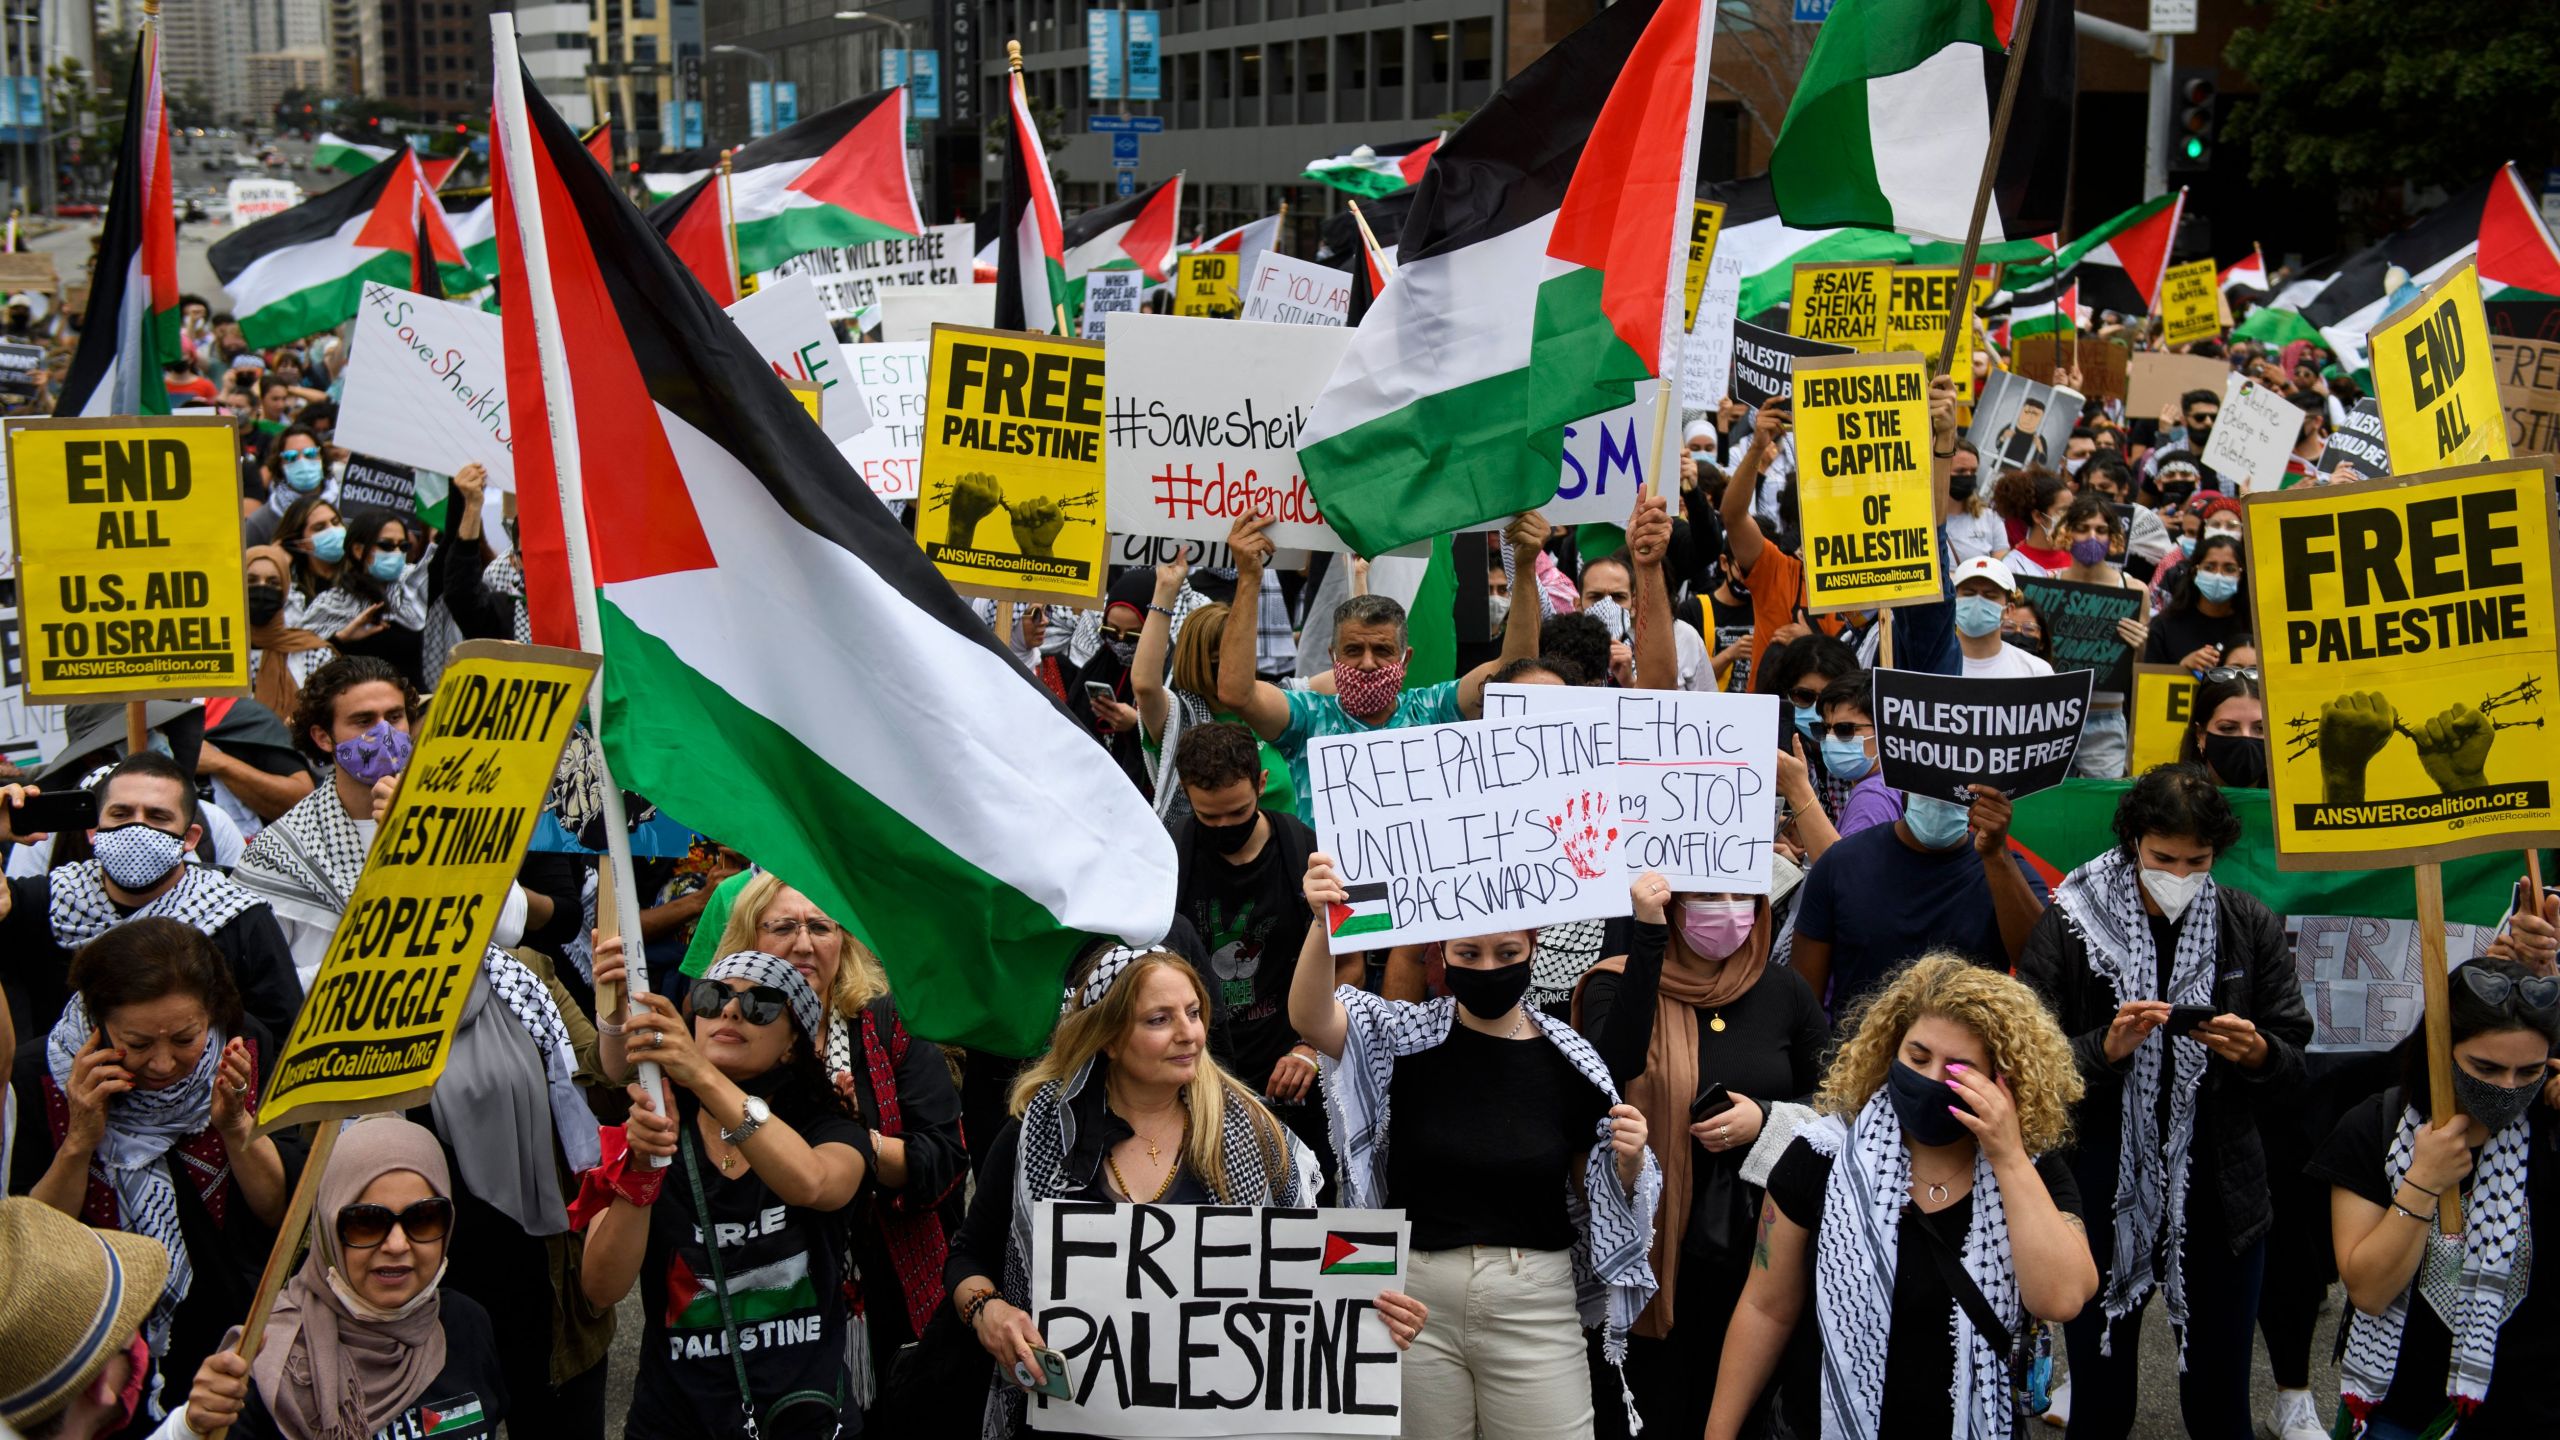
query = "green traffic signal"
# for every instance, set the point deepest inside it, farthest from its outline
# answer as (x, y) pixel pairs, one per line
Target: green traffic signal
(2195, 147)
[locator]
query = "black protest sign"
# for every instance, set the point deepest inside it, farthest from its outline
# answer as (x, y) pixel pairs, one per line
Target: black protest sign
(18, 367)
(2359, 443)
(2080, 626)
(378, 484)
(1937, 734)
(1764, 362)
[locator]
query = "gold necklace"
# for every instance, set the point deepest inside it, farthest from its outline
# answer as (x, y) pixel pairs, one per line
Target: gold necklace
(1153, 1151)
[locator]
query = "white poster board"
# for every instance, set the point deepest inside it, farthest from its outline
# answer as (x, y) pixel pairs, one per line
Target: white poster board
(848, 277)
(2362, 978)
(909, 312)
(889, 453)
(788, 327)
(427, 386)
(29, 734)
(1707, 374)
(252, 200)
(2252, 436)
(1273, 1312)
(1108, 293)
(1285, 290)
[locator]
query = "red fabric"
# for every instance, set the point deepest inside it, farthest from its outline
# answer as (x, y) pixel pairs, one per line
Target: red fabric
(2515, 249)
(910, 1223)
(701, 241)
(866, 172)
(202, 1158)
(616, 1176)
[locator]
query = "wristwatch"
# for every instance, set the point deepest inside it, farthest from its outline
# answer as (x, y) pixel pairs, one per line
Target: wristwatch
(757, 1112)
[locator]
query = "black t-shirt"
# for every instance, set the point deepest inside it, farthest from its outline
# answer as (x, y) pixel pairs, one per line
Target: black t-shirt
(785, 1271)
(2521, 1401)
(1252, 918)
(1879, 902)
(2175, 634)
(1920, 1350)
(1483, 1136)
(465, 1401)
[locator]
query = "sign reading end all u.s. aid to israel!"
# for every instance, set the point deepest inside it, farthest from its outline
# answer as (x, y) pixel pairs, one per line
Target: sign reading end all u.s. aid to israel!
(2406, 631)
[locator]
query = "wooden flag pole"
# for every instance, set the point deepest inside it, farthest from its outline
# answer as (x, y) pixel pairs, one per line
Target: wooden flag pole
(1280, 233)
(608, 927)
(286, 1253)
(2438, 994)
(1022, 103)
(2020, 31)
(729, 221)
(137, 727)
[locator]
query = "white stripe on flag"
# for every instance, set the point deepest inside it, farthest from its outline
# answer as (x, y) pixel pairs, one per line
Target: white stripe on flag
(1929, 127)
(1039, 307)
(119, 391)
(296, 268)
(1444, 321)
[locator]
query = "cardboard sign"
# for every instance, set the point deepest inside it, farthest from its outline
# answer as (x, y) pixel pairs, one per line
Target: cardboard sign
(1450, 830)
(1706, 221)
(1696, 780)
(1013, 469)
(1839, 305)
(2529, 391)
(1916, 301)
(2080, 626)
(427, 386)
(1937, 734)
(2405, 628)
(787, 325)
(2256, 431)
(1863, 481)
(18, 367)
(1108, 293)
(2155, 378)
(2190, 308)
(128, 544)
(2363, 979)
(848, 278)
(2018, 423)
(2435, 374)
(1206, 284)
(378, 484)
(1211, 1320)
(1764, 362)
(2101, 363)
(889, 453)
(1285, 290)
(908, 313)
(2360, 442)
(2162, 703)
(1706, 373)
(380, 1021)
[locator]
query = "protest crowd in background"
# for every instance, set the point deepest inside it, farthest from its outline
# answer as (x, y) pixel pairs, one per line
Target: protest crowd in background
(2002, 818)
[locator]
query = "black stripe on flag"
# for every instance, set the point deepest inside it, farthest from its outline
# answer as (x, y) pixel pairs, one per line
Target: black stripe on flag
(2438, 233)
(806, 140)
(119, 240)
(1356, 894)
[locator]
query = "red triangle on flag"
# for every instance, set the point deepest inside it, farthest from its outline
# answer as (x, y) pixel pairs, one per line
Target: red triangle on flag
(1336, 1248)
(2515, 247)
(866, 171)
(428, 1419)
(1417, 160)
(701, 240)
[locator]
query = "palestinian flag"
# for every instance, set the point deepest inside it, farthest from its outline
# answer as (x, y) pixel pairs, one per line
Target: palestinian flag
(1359, 1252)
(1370, 276)
(451, 1417)
(1031, 249)
(133, 301)
(2118, 265)
(836, 178)
(1246, 242)
(2495, 221)
(768, 1292)
(1769, 249)
(1447, 407)
(1373, 170)
(303, 271)
(704, 236)
(1365, 911)
(438, 168)
(2249, 274)
(2053, 309)
(473, 218)
(1140, 231)
(334, 152)
(767, 625)
(1892, 119)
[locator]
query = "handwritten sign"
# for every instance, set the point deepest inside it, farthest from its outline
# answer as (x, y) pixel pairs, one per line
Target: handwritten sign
(2363, 980)
(848, 277)
(788, 326)
(2257, 429)
(1937, 734)
(2529, 391)
(427, 386)
(1706, 375)
(1285, 290)
(889, 453)
(253, 200)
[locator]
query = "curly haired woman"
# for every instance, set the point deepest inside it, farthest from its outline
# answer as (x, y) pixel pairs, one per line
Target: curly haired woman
(1939, 1121)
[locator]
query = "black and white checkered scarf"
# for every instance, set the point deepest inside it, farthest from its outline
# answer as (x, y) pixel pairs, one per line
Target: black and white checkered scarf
(2102, 902)
(1853, 1270)
(306, 861)
(2473, 1282)
(80, 911)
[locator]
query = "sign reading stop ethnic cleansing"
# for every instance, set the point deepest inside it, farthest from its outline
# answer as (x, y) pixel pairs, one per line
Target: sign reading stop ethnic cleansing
(2406, 632)
(1012, 500)
(1938, 734)
(128, 543)
(1863, 482)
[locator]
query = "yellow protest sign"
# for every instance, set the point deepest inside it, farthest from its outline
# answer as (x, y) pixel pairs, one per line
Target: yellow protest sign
(1013, 424)
(1839, 304)
(2162, 697)
(1206, 285)
(1706, 221)
(2189, 303)
(129, 575)
(2405, 628)
(1862, 481)
(2433, 374)
(1917, 299)
(379, 1024)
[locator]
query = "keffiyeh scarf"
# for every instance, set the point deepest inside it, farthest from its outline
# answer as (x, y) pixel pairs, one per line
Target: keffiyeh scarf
(335, 608)
(1853, 1272)
(305, 863)
(2473, 1282)
(505, 576)
(2102, 902)
(80, 911)
(1565, 953)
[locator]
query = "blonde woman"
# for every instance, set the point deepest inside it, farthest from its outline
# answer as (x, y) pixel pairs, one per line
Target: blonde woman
(1925, 1195)
(1181, 621)
(1126, 1105)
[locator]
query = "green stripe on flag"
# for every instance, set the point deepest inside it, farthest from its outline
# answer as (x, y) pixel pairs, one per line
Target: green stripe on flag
(1462, 438)
(766, 243)
(1362, 181)
(748, 1306)
(324, 306)
(1578, 365)
(1365, 925)
(1773, 287)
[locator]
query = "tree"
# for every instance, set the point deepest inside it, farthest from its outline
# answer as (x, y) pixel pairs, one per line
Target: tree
(2372, 93)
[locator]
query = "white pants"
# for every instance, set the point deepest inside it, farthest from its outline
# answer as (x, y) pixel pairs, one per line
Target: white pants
(1502, 1355)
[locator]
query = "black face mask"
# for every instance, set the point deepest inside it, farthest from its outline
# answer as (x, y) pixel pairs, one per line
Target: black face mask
(1488, 994)
(265, 603)
(2241, 760)
(1227, 839)
(1920, 1103)
(1960, 487)
(2495, 1106)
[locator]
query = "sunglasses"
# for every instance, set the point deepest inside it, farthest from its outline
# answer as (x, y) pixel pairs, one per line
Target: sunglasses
(1804, 696)
(2202, 417)
(298, 453)
(2533, 992)
(362, 1227)
(2220, 673)
(1840, 729)
(1113, 633)
(757, 1004)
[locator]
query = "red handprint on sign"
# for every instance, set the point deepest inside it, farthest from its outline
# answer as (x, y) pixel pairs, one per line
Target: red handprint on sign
(1587, 847)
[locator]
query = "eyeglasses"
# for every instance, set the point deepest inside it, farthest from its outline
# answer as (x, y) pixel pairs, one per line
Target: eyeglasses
(1841, 729)
(757, 1004)
(791, 929)
(2219, 673)
(1804, 696)
(363, 1227)
(299, 453)
(2533, 992)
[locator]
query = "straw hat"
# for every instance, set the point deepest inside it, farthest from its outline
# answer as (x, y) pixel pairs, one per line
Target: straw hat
(74, 1298)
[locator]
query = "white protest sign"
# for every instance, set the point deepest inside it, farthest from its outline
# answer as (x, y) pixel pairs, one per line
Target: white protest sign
(1108, 293)
(253, 200)
(1285, 290)
(788, 327)
(1211, 1320)
(2257, 429)
(889, 453)
(2362, 979)
(848, 278)
(1696, 776)
(1706, 377)
(1202, 554)
(1442, 831)
(427, 386)
(1604, 465)
(29, 734)
(909, 312)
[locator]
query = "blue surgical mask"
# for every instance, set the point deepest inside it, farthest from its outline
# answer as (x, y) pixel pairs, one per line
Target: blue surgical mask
(2187, 545)
(305, 475)
(330, 544)
(1806, 719)
(1937, 824)
(1846, 759)
(386, 567)
(1978, 615)
(2216, 588)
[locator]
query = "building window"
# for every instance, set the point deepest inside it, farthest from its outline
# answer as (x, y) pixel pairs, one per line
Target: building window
(1284, 81)
(1431, 68)
(1386, 59)
(1186, 91)
(1311, 82)
(1222, 88)
(1475, 62)
(1249, 87)
(1351, 67)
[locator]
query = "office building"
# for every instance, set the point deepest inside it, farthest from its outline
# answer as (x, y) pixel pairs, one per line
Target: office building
(647, 71)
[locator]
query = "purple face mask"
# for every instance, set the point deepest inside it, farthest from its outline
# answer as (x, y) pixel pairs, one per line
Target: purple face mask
(376, 754)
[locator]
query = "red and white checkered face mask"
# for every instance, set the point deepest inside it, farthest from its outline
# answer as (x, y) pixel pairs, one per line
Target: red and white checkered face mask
(1367, 692)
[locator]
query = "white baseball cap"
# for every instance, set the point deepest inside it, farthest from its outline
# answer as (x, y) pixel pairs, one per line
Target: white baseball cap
(1985, 568)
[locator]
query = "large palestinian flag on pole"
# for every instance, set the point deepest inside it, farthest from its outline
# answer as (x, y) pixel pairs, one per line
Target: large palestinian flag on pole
(1140, 231)
(133, 300)
(1892, 119)
(782, 666)
(1429, 422)
(1369, 171)
(1031, 244)
(836, 178)
(303, 271)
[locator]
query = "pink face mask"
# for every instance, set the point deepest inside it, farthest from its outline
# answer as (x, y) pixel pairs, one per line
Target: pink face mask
(1715, 929)
(1368, 692)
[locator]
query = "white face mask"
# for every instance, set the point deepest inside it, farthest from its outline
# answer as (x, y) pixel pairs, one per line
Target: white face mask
(2173, 893)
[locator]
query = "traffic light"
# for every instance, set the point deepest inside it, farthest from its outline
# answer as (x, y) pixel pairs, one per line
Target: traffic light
(2192, 122)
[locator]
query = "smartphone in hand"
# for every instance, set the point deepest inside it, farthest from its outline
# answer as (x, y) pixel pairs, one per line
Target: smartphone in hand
(2183, 1019)
(1713, 1100)
(53, 812)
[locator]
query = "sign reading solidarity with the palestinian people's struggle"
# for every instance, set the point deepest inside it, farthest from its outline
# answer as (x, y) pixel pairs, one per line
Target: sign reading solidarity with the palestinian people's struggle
(1863, 481)
(1012, 502)
(1938, 734)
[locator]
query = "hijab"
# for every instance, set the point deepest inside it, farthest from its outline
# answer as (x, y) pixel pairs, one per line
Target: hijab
(276, 686)
(333, 1367)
